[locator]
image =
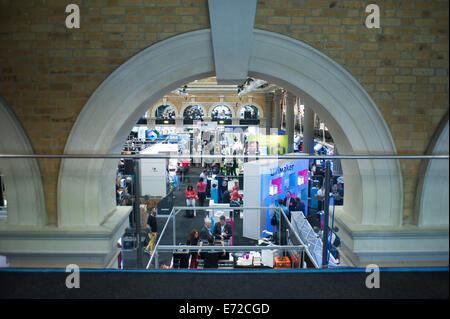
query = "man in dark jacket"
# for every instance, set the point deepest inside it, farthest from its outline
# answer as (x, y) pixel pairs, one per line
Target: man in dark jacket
(206, 230)
(222, 230)
(212, 258)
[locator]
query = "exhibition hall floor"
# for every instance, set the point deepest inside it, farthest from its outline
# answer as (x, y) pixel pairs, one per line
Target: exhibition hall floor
(183, 228)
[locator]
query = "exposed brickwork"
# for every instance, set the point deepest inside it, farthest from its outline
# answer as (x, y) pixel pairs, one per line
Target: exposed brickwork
(48, 72)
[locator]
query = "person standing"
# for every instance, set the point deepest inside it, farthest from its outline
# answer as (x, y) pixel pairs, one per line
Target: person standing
(275, 220)
(299, 205)
(206, 230)
(226, 199)
(222, 230)
(235, 165)
(212, 258)
(191, 196)
(201, 191)
(290, 203)
(220, 182)
(321, 197)
(184, 170)
(193, 241)
(152, 226)
(235, 196)
(203, 175)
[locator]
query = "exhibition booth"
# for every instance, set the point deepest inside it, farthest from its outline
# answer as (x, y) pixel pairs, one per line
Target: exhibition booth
(155, 173)
(266, 181)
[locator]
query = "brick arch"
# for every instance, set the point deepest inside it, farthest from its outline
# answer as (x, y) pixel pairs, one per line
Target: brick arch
(23, 181)
(373, 188)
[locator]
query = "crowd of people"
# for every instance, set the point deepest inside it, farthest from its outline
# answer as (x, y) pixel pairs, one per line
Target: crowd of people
(197, 189)
(219, 234)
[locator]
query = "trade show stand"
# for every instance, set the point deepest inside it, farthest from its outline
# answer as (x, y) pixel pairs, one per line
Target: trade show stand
(266, 181)
(153, 171)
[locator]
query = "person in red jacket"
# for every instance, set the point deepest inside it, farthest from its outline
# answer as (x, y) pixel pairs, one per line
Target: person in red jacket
(235, 195)
(201, 191)
(191, 196)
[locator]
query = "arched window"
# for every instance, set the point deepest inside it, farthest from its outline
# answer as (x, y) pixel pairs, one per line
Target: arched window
(222, 114)
(193, 113)
(165, 114)
(249, 114)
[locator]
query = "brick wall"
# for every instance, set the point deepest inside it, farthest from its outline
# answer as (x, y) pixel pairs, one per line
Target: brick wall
(48, 72)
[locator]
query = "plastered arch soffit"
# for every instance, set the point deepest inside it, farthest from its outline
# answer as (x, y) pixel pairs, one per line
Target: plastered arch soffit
(23, 181)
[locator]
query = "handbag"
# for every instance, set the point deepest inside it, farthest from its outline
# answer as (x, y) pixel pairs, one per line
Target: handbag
(274, 220)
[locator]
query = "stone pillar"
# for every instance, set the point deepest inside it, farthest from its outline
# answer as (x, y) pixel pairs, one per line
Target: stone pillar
(277, 109)
(179, 123)
(290, 120)
(308, 131)
(151, 123)
(269, 101)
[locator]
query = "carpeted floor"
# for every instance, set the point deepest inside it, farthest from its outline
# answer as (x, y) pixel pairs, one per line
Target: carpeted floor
(138, 259)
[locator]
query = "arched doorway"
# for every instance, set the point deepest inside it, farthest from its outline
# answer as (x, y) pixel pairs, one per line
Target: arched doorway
(85, 190)
(193, 112)
(249, 114)
(165, 114)
(222, 114)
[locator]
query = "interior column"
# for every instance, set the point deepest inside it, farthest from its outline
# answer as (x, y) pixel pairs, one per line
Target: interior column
(277, 109)
(308, 131)
(290, 118)
(269, 100)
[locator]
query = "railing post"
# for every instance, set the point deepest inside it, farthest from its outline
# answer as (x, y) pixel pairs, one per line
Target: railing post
(174, 228)
(137, 211)
(326, 214)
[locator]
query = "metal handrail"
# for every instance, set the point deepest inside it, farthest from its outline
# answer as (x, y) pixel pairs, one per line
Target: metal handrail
(177, 209)
(227, 248)
(162, 156)
(218, 208)
(299, 239)
(159, 239)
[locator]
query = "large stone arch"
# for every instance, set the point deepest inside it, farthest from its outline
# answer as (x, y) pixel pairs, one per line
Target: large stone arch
(432, 188)
(86, 188)
(23, 180)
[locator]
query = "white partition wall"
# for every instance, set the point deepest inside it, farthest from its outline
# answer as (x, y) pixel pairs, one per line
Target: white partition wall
(153, 171)
(153, 177)
(253, 219)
